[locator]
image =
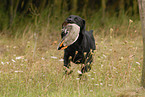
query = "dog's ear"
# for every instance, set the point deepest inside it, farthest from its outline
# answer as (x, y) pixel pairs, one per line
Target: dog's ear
(84, 23)
(83, 27)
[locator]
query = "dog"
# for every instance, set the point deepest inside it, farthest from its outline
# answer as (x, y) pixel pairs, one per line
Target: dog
(81, 51)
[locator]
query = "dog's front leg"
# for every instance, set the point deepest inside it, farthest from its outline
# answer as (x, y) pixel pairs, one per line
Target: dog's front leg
(67, 63)
(87, 63)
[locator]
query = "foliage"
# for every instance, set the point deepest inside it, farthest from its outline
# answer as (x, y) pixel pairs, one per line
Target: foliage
(21, 14)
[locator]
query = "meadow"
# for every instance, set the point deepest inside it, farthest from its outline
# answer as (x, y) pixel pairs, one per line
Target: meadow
(31, 65)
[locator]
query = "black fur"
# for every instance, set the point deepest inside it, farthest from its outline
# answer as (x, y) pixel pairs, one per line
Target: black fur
(81, 51)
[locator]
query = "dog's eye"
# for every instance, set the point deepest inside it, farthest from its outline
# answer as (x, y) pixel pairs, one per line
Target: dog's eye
(76, 19)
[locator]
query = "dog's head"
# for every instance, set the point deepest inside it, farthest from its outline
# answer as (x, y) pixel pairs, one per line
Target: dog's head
(73, 19)
(72, 28)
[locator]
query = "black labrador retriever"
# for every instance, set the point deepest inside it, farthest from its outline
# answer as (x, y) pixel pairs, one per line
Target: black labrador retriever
(80, 52)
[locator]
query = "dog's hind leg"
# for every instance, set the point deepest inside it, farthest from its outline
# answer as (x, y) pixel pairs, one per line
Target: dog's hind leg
(86, 67)
(67, 64)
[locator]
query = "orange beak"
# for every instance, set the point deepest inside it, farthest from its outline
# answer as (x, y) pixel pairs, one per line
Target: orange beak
(61, 47)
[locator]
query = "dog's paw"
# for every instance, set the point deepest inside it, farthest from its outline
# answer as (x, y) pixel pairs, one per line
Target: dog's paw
(67, 70)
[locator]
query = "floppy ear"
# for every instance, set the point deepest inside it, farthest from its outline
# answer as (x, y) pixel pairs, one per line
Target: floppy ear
(84, 23)
(83, 27)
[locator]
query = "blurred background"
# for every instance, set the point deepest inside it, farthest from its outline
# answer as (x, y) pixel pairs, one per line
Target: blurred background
(46, 16)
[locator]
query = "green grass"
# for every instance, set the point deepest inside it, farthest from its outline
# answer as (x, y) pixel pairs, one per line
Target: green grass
(116, 71)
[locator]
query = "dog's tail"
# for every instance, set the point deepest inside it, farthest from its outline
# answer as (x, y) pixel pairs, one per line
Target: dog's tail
(90, 33)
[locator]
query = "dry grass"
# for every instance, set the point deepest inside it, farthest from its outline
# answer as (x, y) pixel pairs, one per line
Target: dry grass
(116, 69)
(31, 72)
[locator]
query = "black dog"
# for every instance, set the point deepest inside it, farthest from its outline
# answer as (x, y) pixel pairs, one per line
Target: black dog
(80, 52)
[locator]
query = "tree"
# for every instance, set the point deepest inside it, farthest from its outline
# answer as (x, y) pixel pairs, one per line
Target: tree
(142, 18)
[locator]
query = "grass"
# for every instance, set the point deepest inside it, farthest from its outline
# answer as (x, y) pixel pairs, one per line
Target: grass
(116, 69)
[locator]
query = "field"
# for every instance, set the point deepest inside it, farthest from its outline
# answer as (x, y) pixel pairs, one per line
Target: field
(31, 65)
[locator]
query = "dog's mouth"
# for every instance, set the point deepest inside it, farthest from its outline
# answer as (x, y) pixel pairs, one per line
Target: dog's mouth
(71, 34)
(65, 23)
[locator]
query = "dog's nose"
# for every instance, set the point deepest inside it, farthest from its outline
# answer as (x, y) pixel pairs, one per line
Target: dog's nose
(69, 20)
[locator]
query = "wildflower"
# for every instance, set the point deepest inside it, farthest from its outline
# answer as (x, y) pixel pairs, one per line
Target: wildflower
(18, 71)
(61, 60)
(92, 78)
(14, 47)
(43, 58)
(20, 57)
(104, 56)
(101, 84)
(2, 63)
(26, 59)
(138, 63)
(13, 60)
(79, 72)
(96, 84)
(77, 78)
(53, 57)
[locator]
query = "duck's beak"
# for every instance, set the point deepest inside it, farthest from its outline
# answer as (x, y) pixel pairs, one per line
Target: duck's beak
(61, 46)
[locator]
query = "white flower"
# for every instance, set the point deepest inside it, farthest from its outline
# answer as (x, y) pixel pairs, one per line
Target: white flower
(18, 71)
(43, 58)
(104, 56)
(101, 84)
(13, 60)
(53, 57)
(14, 47)
(96, 84)
(26, 59)
(79, 72)
(61, 60)
(20, 57)
(77, 78)
(92, 78)
(2, 63)
(138, 63)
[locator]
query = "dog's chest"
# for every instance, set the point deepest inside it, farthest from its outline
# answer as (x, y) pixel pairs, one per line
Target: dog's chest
(78, 57)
